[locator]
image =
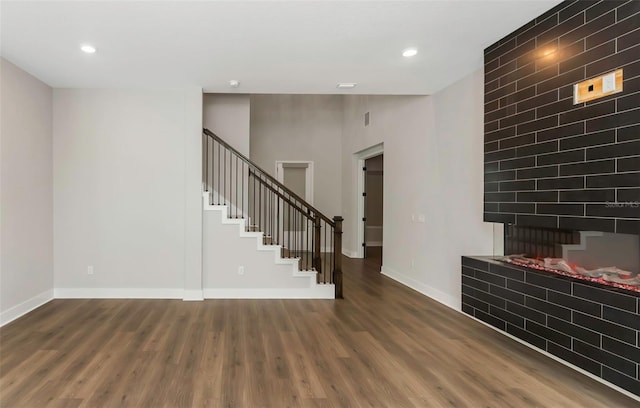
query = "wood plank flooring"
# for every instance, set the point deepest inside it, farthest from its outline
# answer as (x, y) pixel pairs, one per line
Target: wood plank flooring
(382, 346)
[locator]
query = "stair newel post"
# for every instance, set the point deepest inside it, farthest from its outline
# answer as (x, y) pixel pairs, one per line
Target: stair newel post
(337, 253)
(316, 245)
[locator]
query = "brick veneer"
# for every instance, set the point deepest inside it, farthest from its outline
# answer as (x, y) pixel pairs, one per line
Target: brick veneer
(594, 327)
(550, 163)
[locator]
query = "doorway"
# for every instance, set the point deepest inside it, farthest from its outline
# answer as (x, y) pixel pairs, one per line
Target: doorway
(373, 208)
(297, 176)
(359, 160)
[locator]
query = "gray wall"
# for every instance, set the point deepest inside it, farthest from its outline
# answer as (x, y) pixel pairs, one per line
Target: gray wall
(301, 127)
(433, 168)
(26, 220)
(126, 169)
(227, 115)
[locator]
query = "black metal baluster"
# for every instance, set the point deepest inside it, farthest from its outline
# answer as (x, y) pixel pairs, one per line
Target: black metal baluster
(310, 233)
(271, 215)
(224, 191)
(332, 255)
(313, 245)
(297, 227)
(213, 172)
(236, 187)
(206, 163)
(210, 168)
(253, 202)
(219, 172)
(324, 255)
(242, 192)
(309, 251)
(289, 246)
(299, 237)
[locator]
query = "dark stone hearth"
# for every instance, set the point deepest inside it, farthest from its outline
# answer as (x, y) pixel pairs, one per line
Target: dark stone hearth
(594, 327)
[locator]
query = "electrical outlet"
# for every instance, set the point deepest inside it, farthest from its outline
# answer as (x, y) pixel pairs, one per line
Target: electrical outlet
(90, 270)
(413, 263)
(240, 270)
(421, 218)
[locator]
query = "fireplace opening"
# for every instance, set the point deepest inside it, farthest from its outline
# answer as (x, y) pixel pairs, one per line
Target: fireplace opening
(599, 257)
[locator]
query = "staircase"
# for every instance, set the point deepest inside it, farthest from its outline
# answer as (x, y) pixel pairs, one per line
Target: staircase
(295, 242)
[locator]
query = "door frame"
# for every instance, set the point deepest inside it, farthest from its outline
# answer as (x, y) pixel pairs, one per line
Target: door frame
(308, 193)
(360, 159)
(308, 182)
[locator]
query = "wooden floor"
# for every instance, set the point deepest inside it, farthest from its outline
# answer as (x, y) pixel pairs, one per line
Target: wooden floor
(382, 346)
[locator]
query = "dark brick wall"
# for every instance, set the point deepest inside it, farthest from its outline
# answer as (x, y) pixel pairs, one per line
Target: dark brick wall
(593, 327)
(550, 163)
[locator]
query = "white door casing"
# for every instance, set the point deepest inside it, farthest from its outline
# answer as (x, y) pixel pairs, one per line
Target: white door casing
(359, 159)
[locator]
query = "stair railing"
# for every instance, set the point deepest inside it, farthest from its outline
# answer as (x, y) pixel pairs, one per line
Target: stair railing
(282, 216)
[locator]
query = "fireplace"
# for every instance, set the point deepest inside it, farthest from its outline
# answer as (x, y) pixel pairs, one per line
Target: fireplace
(592, 256)
(562, 174)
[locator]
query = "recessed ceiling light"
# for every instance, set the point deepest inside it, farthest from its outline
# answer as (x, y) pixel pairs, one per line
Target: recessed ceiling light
(346, 85)
(409, 52)
(89, 49)
(234, 83)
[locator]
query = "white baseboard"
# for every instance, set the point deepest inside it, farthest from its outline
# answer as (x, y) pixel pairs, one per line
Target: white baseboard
(326, 291)
(558, 359)
(192, 295)
(316, 292)
(349, 254)
(426, 290)
(25, 307)
(118, 293)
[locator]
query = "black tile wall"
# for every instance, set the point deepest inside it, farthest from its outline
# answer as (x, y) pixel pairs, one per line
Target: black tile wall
(546, 158)
(590, 326)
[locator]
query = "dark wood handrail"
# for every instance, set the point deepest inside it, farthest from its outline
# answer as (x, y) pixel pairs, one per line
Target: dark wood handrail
(262, 173)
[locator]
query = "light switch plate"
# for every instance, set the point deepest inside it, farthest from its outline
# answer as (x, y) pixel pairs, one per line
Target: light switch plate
(598, 87)
(609, 83)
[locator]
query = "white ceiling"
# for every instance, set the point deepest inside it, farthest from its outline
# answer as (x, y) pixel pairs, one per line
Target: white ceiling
(269, 46)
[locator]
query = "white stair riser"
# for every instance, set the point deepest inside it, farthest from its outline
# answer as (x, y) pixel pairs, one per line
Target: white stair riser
(237, 263)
